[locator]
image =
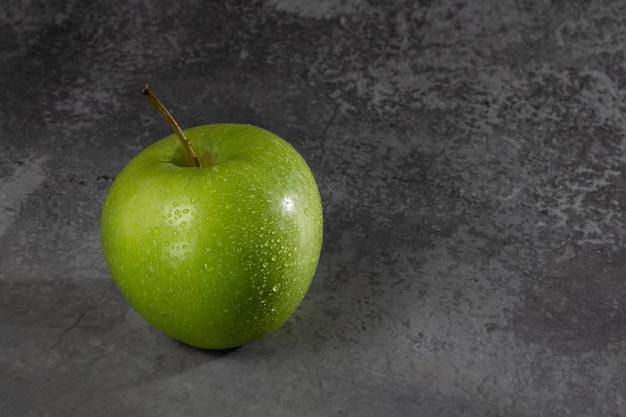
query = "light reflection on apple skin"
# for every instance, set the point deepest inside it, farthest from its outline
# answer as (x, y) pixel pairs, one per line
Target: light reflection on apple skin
(177, 246)
(288, 206)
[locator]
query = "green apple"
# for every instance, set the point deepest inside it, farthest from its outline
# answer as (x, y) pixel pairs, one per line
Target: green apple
(213, 234)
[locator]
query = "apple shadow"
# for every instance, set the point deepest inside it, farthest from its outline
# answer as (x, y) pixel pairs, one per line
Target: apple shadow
(210, 353)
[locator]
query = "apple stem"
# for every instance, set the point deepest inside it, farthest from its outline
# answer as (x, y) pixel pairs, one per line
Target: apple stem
(154, 100)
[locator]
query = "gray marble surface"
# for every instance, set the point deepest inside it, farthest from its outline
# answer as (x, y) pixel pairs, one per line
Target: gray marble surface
(471, 157)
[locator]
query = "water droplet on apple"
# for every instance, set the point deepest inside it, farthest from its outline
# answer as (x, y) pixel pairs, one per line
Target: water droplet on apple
(276, 287)
(184, 247)
(274, 258)
(207, 249)
(175, 203)
(185, 211)
(265, 264)
(183, 224)
(307, 212)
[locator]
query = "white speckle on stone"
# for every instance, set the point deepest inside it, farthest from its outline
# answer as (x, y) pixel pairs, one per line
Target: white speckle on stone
(15, 189)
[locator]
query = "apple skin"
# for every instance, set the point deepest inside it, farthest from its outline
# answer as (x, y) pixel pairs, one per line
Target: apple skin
(219, 255)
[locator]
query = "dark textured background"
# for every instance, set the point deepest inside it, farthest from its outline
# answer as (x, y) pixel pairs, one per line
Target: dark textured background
(471, 157)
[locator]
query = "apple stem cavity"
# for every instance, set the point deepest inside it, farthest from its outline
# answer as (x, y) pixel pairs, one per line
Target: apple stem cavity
(154, 100)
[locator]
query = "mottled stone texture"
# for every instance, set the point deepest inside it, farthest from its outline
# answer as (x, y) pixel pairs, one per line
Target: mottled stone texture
(471, 157)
